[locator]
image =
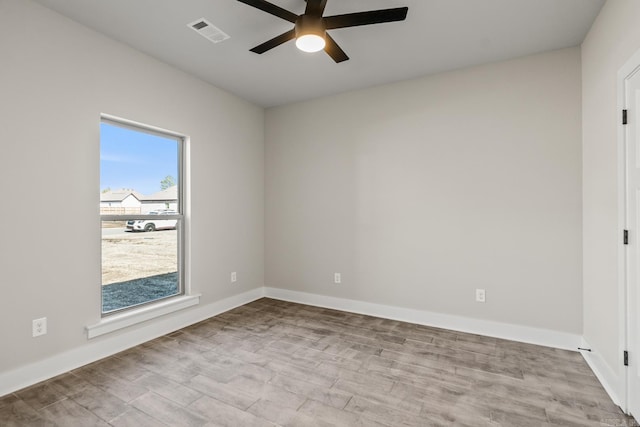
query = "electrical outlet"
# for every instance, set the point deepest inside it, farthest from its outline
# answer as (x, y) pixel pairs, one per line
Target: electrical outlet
(481, 295)
(234, 277)
(337, 278)
(39, 326)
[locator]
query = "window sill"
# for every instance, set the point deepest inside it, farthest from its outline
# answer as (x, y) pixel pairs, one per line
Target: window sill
(134, 317)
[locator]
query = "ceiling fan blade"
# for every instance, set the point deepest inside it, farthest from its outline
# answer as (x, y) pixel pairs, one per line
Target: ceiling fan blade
(334, 50)
(315, 7)
(272, 9)
(366, 18)
(274, 42)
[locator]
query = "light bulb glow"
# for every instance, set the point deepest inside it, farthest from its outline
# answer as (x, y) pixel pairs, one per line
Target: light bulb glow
(310, 43)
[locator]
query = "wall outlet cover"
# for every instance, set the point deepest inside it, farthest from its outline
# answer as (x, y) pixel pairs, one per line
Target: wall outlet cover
(39, 327)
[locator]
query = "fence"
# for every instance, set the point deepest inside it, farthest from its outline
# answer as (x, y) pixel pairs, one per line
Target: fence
(108, 210)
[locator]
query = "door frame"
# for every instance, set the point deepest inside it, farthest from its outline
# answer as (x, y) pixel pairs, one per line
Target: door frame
(631, 67)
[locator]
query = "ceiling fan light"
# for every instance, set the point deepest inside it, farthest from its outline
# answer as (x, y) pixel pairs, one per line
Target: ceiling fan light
(310, 43)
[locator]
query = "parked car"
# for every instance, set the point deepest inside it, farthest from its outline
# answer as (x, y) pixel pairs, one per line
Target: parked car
(153, 224)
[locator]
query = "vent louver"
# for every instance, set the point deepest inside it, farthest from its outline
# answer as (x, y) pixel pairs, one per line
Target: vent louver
(209, 31)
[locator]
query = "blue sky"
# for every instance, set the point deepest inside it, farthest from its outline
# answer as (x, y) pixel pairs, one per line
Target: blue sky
(136, 160)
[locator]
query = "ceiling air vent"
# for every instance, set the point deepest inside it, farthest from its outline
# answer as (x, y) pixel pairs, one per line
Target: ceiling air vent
(208, 30)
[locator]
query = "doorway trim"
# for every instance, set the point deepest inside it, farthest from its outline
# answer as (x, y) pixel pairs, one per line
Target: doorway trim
(628, 69)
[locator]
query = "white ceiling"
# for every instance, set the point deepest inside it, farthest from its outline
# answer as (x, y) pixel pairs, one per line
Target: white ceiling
(438, 35)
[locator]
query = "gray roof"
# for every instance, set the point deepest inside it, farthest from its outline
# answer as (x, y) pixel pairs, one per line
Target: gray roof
(119, 195)
(169, 194)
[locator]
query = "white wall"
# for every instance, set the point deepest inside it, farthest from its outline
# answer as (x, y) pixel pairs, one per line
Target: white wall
(130, 202)
(421, 191)
(613, 39)
(56, 77)
(148, 207)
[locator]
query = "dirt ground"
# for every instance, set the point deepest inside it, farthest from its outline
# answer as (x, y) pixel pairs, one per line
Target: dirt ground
(129, 255)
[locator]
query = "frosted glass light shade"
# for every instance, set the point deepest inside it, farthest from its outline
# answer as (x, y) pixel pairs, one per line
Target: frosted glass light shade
(310, 43)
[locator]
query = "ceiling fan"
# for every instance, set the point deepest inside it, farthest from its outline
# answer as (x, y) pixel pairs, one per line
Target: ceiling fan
(311, 27)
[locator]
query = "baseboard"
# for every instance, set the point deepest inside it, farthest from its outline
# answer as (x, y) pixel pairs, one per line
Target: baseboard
(611, 382)
(544, 337)
(108, 345)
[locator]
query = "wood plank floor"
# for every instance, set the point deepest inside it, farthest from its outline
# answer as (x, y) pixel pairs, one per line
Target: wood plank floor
(273, 363)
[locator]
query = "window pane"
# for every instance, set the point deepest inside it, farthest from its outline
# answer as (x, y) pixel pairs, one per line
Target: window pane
(139, 171)
(137, 267)
(140, 192)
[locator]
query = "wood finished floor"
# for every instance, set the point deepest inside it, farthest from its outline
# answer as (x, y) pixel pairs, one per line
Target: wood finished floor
(277, 363)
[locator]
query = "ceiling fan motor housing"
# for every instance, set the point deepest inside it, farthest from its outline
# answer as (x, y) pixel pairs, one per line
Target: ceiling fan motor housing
(307, 24)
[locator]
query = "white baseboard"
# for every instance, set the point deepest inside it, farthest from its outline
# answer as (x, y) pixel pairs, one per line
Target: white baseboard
(105, 346)
(544, 337)
(612, 383)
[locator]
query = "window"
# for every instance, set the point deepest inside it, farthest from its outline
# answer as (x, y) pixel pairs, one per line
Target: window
(142, 218)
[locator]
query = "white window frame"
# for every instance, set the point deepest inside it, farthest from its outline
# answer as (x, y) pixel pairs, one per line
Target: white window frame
(121, 318)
